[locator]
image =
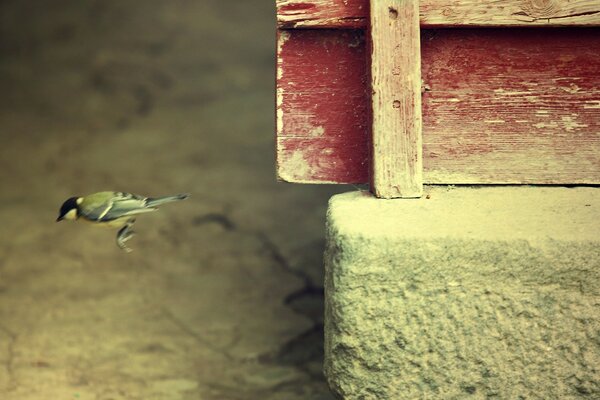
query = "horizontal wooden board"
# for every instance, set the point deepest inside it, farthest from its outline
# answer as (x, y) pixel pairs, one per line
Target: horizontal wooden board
(444, 13)
(500, 106)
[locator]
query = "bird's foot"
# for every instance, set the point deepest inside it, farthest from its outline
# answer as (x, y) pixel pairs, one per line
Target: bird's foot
(124, 234)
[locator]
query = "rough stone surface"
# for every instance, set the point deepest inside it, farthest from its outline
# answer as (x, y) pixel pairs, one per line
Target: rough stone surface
(489, 293)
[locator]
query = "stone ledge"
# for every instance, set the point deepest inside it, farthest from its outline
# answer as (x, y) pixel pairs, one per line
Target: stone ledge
(470, 293)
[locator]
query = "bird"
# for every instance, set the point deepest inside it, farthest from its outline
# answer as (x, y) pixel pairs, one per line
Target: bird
(113, 210)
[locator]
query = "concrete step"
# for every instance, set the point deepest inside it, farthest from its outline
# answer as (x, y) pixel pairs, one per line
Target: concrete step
(465, 293)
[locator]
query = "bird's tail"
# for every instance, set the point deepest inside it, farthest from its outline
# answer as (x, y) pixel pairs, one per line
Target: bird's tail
(157, 201)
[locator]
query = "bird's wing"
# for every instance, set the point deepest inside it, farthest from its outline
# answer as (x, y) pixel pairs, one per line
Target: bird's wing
(117, 206)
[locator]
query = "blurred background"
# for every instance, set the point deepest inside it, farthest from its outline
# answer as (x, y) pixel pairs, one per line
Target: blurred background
(221, 297)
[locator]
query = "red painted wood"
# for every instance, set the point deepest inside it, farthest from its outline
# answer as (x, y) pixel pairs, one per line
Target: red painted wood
(322, 106)
(502, 106)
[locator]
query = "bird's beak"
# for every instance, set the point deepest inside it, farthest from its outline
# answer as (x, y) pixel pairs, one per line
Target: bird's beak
(59, 219)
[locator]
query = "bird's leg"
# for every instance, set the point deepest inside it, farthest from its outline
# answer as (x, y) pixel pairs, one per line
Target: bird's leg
(124, 234)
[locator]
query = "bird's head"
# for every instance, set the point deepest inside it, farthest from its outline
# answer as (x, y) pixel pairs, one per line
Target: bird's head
(69, 209)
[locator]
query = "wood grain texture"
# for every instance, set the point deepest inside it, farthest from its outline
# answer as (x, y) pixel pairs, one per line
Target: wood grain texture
(396, 156)
(321, 82)
(444, 13)
(322, 13)
(500, 106)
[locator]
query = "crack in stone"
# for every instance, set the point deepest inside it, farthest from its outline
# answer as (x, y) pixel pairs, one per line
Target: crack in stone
(300, 350)
(277, 256)
(307, 346)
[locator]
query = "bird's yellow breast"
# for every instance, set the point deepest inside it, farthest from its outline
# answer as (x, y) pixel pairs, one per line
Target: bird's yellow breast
(115, 223)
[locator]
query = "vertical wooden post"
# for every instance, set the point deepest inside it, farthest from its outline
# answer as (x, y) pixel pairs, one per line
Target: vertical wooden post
(397, 166)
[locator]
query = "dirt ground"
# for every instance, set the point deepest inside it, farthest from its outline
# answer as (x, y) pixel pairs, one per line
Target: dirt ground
(222, 296)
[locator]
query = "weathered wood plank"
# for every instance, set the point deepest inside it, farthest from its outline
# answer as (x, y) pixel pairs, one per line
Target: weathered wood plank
(444, 13)
(321, 82)
(322, 13)
(501, 106)
(396, 156)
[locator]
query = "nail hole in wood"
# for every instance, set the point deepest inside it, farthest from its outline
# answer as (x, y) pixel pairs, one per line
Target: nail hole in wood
(393, 13)
(396, 104)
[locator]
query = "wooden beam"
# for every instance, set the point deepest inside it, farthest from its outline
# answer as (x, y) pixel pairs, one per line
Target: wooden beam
(444, 13)
(501, 106)
(397, 167)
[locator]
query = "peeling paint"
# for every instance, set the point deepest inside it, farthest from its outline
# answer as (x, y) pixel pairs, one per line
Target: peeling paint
(573, 88)
(541, 125)
(592, 104)
(317, 131)
(279, 110)
(295, 167)
(574, 78)
(511, 93)
(570, 124)
(283, 36)
(355, 43)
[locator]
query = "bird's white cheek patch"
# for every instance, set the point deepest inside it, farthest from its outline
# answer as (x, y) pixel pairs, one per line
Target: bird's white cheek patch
(71, 215)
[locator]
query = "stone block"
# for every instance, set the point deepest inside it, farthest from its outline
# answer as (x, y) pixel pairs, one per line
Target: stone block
(483, 293)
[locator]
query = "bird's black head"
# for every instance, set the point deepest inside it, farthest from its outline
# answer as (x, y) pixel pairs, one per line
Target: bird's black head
(69, 209)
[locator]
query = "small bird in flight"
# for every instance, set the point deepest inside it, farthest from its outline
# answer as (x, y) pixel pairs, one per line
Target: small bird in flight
(113, 209)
